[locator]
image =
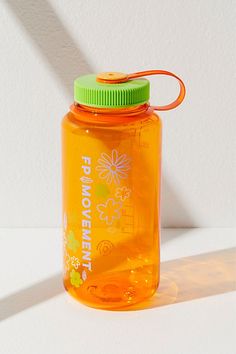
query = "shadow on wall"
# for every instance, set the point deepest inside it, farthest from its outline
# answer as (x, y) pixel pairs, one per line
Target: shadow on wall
(53, 40)
(183, 279)
(67, 61)
(173, 211)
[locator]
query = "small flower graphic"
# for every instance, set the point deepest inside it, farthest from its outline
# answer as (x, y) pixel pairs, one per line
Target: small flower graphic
(71, 261)
(109, 211)
(114, 167)
(72, 243)
(123, 193)
(75, 278)
(75, 262)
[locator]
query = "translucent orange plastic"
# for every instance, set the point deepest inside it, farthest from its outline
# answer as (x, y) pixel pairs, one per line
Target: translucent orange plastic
(111, 190)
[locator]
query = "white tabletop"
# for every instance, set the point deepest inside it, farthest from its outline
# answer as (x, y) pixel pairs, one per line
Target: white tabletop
(194, 311)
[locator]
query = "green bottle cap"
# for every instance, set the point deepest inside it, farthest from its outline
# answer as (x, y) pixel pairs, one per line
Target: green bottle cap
(88, 91)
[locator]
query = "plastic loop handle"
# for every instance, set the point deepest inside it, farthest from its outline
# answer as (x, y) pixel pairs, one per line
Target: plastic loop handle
(182, 91)
(117, 78)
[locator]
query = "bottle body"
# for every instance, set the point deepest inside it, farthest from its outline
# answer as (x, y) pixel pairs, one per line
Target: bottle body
(111, 191)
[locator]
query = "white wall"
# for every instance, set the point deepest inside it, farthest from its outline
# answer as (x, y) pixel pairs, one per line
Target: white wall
(45, 45)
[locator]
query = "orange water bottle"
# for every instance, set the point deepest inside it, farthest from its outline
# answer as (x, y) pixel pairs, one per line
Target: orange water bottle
(111, 148)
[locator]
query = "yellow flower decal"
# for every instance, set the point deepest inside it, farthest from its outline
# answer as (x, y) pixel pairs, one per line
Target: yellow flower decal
(109, 211)
(75, 279)
(72, 243)
(101, 190)
(123, 193)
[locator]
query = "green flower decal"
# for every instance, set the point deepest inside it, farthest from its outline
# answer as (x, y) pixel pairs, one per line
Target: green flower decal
(101, 190)
(73, 244)
(75, 278)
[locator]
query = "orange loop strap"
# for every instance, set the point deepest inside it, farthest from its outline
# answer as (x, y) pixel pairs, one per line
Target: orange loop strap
(173, 104)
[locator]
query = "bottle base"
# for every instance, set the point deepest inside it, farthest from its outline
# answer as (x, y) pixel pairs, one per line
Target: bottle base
(113, 292)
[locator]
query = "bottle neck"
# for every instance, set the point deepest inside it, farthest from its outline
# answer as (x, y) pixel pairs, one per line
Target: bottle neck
(133, 110)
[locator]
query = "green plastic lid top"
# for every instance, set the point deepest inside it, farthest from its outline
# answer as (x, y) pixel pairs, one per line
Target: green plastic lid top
(88, 91)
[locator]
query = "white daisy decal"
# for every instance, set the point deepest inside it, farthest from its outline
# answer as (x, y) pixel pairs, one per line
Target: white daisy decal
(113, 167)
